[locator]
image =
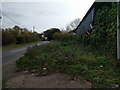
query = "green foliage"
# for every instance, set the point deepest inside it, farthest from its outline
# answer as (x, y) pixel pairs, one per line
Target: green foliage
(63, 37)
(103, 37)
(7, 38)
(90, 62)
(24, 64)
(76, 69)
(17, 35)
(72, 58)
(27, 37)
(49, 33)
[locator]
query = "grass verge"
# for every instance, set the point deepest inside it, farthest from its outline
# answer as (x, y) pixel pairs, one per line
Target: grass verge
(16, 45)
(72, 58)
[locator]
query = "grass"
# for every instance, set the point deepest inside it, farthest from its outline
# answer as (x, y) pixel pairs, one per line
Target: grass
(72, 58)
(16, 45)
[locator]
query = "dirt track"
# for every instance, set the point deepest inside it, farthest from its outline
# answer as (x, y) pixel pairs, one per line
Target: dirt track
(13, 79)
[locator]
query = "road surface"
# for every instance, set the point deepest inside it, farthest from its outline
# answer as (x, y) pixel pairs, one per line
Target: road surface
(16, 53)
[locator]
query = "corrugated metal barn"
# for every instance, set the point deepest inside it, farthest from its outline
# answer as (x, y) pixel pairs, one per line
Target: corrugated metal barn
(87, 22)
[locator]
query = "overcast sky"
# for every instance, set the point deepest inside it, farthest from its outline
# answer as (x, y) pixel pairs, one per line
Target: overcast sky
(43, 15)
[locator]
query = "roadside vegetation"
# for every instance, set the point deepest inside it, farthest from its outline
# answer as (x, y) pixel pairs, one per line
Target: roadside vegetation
(72, 58)
(17, 35)
(90, 57)
(104, 34)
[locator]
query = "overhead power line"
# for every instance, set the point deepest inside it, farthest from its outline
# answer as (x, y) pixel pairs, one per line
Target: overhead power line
(11, 19)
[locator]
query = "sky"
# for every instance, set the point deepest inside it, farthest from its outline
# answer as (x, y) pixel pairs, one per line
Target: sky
(43, 15)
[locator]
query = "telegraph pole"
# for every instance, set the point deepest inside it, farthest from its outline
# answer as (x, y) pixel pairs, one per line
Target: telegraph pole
(1, 45)
(33, 28)
(118, 30)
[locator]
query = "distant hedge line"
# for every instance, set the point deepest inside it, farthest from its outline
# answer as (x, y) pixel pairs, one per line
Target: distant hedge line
(17, 35)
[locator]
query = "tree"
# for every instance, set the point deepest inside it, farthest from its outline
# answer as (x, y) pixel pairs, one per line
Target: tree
(17, 35)
(72, 25)
(49, 33)
(7, 37)
(17, 31)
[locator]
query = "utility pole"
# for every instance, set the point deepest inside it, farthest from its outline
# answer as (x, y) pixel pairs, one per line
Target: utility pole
(1, 45)
(33, 28)
(118, 30)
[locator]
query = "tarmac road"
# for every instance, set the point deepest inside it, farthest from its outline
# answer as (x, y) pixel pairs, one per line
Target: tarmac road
(16, 53)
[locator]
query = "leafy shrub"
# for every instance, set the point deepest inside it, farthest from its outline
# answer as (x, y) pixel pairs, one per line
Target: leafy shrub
(72, 58)
(7, 38)
(76, 69)
(103, 36)
(63, 36)
(17, 35)
(49, 33)
(23, 63)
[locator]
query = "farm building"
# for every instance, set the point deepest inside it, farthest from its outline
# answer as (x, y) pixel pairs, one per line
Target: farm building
(87, 23)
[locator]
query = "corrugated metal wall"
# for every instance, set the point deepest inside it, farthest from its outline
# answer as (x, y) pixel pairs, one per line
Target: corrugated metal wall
(86, 24)
(88, 20)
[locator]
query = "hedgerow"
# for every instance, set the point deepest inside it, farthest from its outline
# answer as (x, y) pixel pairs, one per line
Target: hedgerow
(103, 36)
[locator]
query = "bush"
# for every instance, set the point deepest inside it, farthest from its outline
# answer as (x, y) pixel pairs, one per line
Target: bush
(103, 36)
(71, 58)
(49, 33)
(17, 35)
(77, 69)
(8, 38)
(64, 37)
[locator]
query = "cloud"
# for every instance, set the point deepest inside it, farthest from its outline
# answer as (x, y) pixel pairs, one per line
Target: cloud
(12, 14)
(42, 15)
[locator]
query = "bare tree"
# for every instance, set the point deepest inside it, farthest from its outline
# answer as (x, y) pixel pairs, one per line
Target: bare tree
(72, 25)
